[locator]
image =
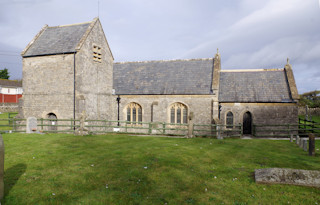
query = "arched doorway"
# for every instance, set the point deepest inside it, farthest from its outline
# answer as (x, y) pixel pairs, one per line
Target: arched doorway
(247, 123)
(52, 121)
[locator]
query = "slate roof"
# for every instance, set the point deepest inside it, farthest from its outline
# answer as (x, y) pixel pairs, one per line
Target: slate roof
(185, 77)
(251, 86)
(57, 40)
(10, 83)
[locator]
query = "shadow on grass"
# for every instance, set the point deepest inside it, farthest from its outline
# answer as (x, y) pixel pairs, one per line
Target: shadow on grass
(12, 175)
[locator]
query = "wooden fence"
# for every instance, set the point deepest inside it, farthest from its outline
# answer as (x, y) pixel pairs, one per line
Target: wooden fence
(161, 128)
(107, 126)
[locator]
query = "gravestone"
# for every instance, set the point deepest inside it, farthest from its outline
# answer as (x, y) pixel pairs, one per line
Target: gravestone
(31, 125)
(305, 145)
(1, 167)
(297, 139)
(301, 143)
(312, 145)
(288, 176)
(291, 138)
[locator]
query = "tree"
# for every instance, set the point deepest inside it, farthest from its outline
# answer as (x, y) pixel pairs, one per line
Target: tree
(4, 74)
(312, 99)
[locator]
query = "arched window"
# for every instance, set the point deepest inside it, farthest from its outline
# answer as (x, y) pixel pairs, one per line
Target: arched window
(229, 120)
(178, 113)
(134, 112)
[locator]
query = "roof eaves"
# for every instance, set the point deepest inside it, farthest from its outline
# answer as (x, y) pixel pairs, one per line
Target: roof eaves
(50, 54)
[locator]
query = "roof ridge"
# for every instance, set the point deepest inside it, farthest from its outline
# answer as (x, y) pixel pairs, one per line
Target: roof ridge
(172, 60)
(253, 70)
(86, 33)
(75, 24)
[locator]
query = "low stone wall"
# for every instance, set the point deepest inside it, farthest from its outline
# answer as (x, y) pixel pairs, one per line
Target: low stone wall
(311, 111)
(8, 107)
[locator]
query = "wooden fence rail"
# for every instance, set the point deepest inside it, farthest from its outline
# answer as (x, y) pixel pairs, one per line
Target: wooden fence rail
(161, 128)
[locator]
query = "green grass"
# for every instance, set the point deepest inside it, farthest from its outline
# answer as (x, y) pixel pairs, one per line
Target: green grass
(122, 169)
(316, 119)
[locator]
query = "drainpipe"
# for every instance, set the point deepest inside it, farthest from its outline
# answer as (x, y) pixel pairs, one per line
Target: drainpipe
(74, 90)
(118, 100)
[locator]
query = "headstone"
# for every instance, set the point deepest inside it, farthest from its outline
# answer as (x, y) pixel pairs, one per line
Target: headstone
(297, 139)
(288, 176)
(1, 167)
(31, 125)
(291, 138)
(301, 143)
(312, 145)
(305, 145)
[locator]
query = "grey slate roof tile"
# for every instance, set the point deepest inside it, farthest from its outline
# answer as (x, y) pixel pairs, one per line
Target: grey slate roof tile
(163, 77)
(260, 86)
(57, 40)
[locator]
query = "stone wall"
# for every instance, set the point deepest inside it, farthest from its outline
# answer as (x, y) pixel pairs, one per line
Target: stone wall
(48, 86)
(9, 107)
(94, 78)
(200, 105)
(262, 113)
(273, 114)
(311, 111)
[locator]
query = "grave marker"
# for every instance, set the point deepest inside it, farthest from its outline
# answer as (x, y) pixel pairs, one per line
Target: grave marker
(31, 125)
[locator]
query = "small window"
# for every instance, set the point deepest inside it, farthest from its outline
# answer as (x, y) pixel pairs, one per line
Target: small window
(229, 120)
(134, 112)
(96, 53)
(178, 113)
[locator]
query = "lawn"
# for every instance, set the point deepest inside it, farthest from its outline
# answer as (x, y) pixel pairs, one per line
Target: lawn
(123, 169)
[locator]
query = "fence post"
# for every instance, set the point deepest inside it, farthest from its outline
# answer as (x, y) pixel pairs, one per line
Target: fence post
(164, 128)
(288, 130)
(219, 132)
(150, 126)
(13, 124)
(41, 123)
(71, 123)
(305, 121)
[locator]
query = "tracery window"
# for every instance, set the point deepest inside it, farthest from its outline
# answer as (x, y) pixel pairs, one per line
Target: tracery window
(134, 112)
(229, 119)
(178, 113)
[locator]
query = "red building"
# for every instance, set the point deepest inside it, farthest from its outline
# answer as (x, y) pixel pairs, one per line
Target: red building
(10, 91)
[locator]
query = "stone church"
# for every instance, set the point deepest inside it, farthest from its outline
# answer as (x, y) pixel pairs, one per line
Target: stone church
(70, 69)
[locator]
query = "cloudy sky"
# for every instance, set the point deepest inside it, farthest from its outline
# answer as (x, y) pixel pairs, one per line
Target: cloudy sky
(249, 33)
